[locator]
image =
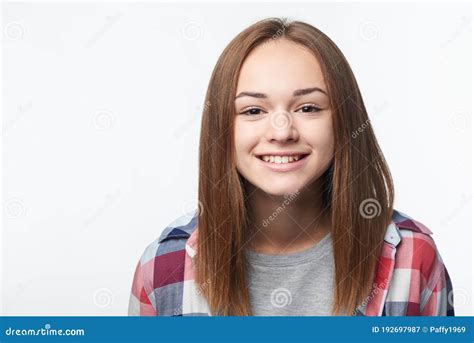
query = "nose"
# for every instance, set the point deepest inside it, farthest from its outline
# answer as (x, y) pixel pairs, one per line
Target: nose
(281, 128)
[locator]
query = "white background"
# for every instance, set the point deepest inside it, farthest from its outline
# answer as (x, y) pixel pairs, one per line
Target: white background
(101, 117)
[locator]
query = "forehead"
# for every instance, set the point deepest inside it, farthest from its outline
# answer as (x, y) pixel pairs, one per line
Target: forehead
(280, 65)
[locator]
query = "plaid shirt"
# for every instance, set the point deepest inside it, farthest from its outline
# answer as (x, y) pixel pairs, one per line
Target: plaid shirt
(411, 279)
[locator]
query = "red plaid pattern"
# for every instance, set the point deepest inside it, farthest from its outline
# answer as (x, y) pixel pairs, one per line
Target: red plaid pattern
(411, 278)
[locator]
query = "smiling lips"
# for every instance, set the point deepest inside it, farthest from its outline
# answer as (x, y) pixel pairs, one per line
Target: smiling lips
(283, 163)
(282, 157)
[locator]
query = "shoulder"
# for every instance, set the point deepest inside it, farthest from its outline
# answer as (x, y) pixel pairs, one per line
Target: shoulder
(171, 240)
(161, 267)
(415, 237)
(416, 252)
(420, 281)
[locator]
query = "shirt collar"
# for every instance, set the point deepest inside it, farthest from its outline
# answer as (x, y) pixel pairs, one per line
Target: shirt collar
(403, 221)
(186, 227)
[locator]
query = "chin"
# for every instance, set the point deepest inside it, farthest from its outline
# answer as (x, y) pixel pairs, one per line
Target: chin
(279, 189)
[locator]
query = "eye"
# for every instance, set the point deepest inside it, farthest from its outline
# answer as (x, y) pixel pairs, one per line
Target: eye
(309, 108)
(252, 111)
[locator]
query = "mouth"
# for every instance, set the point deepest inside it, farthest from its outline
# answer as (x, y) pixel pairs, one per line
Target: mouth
(285, 163)
(285, 159)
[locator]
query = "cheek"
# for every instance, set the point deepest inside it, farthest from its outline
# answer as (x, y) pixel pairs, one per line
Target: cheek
(245, 139)
(326, 142)
(321, 137)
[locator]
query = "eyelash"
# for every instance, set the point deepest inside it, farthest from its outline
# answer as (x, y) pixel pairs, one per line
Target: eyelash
(316, 109)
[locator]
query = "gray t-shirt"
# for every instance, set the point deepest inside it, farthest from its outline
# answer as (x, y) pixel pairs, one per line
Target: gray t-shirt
(296, 284)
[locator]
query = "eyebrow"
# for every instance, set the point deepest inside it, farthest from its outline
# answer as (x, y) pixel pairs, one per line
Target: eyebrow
(298, 92)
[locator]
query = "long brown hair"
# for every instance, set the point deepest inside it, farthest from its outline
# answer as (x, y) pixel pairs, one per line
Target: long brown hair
(360, 192)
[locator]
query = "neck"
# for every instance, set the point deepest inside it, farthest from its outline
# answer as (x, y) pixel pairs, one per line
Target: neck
(285, 224)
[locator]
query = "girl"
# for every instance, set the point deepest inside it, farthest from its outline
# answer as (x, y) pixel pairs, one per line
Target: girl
(295, 209)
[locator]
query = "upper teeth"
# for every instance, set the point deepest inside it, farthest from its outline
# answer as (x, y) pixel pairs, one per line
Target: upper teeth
(281, 159)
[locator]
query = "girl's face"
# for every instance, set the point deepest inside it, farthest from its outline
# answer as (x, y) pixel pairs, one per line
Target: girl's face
(283, 125)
